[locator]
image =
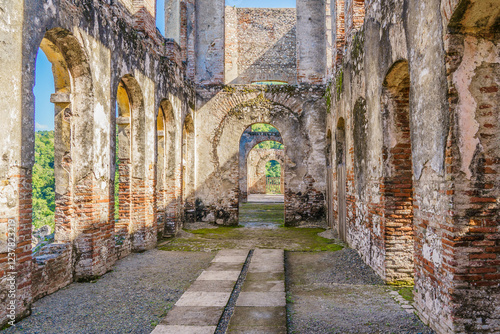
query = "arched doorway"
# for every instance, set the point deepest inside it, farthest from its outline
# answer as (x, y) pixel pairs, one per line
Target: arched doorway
(341, 179)
(262, 177)
(130, 228)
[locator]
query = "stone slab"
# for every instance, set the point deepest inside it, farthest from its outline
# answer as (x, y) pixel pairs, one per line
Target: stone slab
(193, 316)
(201, 298)
(233, 252)
(263, 286)
(257, 330)
(265, 276)
(261, 267)
(176, 329)
(225, 266)
(230, 258)
(259, 316)
(261, 299)
(219, 276)
(212, 286)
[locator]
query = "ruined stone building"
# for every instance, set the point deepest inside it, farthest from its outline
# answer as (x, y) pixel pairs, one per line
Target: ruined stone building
(389, 116)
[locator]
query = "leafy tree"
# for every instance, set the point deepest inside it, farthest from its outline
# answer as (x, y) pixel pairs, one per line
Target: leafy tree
(263, 127)
(273, 169)
(44, 180)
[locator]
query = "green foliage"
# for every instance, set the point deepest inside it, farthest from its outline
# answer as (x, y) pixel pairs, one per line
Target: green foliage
(44, 180)
(328, 97)
(273, 169)
(263, 127)
(339, 83)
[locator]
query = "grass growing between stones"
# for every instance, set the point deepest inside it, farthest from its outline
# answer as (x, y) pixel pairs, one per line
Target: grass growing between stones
(406, 292)
(288, 238)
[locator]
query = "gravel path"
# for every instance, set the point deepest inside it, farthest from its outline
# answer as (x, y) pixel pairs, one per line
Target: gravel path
(335, 292)
(130, 299)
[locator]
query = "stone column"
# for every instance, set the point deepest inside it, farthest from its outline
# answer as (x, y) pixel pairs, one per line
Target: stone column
(209, 48)
(311, 41)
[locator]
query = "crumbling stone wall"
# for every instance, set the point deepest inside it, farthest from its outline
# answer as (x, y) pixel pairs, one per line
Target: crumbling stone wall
(222, 117)
(257, 160)
(422, 153)
(94, 45)
(260, 45)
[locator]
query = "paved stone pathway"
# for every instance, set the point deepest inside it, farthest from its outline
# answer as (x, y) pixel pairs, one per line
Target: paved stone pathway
(200, 308)
(261, 304)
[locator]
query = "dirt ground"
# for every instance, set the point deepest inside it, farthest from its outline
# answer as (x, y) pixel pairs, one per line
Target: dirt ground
(335, 292)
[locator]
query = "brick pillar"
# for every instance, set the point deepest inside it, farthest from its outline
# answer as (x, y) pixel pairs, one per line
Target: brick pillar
(144, 12)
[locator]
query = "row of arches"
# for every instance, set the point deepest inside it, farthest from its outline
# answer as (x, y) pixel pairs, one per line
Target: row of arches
(142, 200)
(395, 211)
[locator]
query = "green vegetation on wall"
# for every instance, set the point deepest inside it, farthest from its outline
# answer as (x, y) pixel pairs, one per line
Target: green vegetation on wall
(43, 180)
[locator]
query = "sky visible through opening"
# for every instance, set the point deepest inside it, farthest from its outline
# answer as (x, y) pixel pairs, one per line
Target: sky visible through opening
(44, 80)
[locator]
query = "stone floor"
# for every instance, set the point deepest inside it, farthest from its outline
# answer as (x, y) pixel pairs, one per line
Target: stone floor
(328, 289)
(265, 198)
(133, 298)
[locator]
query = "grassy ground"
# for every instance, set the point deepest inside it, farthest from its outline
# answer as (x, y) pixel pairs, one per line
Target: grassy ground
(247, 236)
(288, 238)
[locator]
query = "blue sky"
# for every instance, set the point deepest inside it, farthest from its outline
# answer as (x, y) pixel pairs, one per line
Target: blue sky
(44, 81)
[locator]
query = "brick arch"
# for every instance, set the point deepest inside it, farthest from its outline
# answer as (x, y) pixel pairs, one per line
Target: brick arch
(74, 148)
(397, 194)
(472, 168)
(267, 111)
(131, 121)
(224, 157)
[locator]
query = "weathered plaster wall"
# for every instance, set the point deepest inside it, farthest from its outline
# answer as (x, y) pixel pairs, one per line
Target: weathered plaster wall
(311, 42)
(454, 153)
(260, 45)
(222, 117)
(99, 47)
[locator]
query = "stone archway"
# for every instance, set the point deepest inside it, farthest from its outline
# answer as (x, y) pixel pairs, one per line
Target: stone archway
(299, 124)
(256, 162)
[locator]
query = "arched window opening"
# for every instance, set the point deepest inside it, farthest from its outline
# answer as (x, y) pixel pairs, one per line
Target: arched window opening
(43, 178)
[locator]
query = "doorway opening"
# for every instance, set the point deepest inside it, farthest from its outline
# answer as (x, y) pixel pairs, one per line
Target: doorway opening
(262, 177)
